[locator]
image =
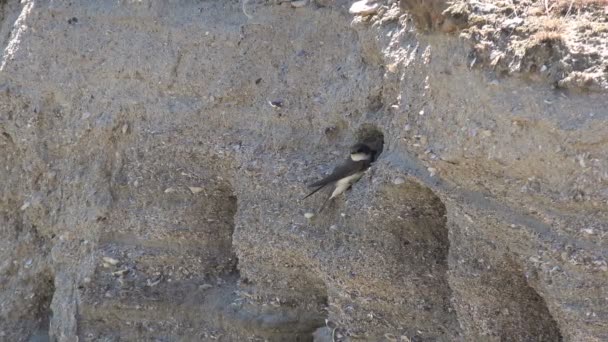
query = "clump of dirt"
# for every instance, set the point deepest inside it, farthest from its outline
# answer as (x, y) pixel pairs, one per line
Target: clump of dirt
(560, 41)
(431, 16)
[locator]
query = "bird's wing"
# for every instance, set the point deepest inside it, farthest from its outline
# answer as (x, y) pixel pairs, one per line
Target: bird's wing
(348, 168)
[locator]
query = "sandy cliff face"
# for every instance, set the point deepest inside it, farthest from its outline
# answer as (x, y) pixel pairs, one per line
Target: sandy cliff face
(150, 191)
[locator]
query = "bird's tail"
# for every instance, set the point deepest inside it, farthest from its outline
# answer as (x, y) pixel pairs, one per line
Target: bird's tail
(314, 191)
(324, 203)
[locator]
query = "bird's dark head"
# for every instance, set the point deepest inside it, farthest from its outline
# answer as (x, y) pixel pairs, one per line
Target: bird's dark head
(360, 152)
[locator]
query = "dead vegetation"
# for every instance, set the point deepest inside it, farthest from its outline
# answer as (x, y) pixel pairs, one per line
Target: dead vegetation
(568, 7)
(551, 30)
(547, 37)
(562, 41)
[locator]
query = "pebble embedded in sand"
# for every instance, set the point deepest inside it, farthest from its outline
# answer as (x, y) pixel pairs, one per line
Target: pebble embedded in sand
(309, 215)
(120, 273)
(364, 7)
(195, 189)
(205, 287)
(588, 231)
(152, 283)
(25, 205)
(110, 261)
(299, 3)
(398, 180)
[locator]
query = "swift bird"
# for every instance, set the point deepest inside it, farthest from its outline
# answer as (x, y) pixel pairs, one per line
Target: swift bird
(345, 175)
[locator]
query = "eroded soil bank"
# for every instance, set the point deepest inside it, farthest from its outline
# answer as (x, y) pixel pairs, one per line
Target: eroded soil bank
(150, 190)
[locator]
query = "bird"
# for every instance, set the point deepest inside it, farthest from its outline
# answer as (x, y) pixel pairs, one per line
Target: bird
(376, 145)
(345, 175)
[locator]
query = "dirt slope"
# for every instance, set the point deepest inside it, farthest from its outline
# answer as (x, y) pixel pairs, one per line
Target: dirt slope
(154, 157)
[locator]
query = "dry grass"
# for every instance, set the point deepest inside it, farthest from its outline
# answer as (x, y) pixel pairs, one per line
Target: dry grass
(551, 30)
(599, 27)
(566, 7)
(548, 37)
(553, 24)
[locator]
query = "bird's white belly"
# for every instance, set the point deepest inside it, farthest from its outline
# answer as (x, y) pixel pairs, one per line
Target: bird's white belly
(345, 183)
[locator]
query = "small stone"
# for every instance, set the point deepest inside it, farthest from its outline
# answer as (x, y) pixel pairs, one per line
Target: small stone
(534, 259)
(152, 283)
(125, 128)
(25, 205)
(390, 337)
(363, 7)
(205, 286)
(169, 190)
(581, 161)
(513, 23)
(588, 231)
(110, 261)
(299, 3)
(432, 171)
(398, 180)
(120, 273)
(86, 280)
(195, 189)
(309, 215)
(330, 130)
